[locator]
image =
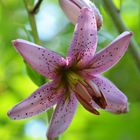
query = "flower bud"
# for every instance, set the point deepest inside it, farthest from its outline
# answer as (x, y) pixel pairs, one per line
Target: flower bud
(72, 9)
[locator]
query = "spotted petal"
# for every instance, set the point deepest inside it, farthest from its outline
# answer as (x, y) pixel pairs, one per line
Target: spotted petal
(41, 100)
(41, 59)
(109, 56)
(62, 116)
(116, 100)
(84, 41)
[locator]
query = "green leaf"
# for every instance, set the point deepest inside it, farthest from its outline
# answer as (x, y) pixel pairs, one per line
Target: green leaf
(35, 77)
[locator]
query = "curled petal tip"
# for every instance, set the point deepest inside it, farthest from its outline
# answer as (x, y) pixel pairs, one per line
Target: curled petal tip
(123, 111)
(9, 114)
(14, 42)
(127, 33)
(131, 34)
(17, 42)
(122, 108)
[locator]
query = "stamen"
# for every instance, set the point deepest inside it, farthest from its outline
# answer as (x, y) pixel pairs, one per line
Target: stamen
(85, 98)
(96, 94)
(82, 91)
(87, 105)
(93, 87)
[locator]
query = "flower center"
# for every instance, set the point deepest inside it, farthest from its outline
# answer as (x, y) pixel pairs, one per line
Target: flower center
(73, 78)
(69, 77)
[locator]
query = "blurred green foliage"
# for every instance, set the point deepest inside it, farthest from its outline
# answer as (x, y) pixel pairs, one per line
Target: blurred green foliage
(15, 85)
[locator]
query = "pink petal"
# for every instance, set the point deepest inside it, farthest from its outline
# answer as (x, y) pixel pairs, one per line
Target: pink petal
(62, 116)
(116, 100)
(110, 55)
(41, 59)
(84, 41)
(41, 100)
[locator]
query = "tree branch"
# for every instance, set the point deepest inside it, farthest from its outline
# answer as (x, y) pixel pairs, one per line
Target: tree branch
(36, 7)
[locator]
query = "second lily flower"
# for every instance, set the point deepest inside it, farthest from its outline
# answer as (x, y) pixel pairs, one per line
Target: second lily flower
(72, 9)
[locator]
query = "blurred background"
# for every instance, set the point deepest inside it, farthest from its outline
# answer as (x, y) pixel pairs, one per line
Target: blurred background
(55, 32)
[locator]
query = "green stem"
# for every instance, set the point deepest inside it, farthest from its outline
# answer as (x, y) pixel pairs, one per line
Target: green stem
(32, 21)
(50, 112)
(36, 7)
(58, 138)
(115, 15)
(35, 35)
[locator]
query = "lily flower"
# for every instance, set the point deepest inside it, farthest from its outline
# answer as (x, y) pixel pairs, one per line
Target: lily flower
(74, 78)
(72, 10)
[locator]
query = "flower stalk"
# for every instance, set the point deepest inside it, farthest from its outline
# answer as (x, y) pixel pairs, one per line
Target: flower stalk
(115, 15)
(32, 21)
(31, 14)
(36, 7)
